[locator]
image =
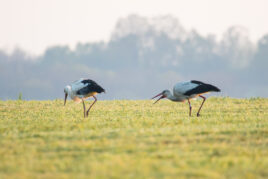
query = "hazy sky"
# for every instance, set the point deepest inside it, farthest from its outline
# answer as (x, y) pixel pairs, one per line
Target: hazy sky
(35, 24)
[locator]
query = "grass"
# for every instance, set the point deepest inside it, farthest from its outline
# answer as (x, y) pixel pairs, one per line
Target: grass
(134, 139)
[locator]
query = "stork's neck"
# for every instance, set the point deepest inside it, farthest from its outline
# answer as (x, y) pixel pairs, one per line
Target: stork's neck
(68, 89)
(173, 98)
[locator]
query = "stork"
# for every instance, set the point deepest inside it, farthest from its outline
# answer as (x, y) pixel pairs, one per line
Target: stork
(187, 90)
(82, 89)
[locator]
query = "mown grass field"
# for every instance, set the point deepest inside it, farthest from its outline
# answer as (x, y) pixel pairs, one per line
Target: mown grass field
(134, 139)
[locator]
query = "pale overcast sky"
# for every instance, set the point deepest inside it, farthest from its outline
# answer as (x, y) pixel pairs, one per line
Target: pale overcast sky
(34, 25)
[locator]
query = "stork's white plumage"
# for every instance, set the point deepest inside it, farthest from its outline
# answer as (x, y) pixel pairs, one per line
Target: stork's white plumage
(187, 90)
(82, 89)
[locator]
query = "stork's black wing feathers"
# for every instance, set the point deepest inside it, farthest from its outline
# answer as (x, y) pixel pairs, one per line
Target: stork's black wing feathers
(87, 81)
(197, 82)
(92, 86)
(201, 88)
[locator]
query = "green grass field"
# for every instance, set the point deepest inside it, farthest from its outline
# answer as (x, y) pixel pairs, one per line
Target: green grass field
(134, 139)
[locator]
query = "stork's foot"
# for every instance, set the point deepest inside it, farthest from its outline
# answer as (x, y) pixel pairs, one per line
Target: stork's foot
(87, 113)
(197, 114)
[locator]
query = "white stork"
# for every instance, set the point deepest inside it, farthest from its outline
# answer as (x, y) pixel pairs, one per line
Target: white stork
(186, 90)
(82, 89)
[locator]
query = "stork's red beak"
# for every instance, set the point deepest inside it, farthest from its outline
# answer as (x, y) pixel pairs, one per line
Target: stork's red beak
(161, 97)
(65, 98)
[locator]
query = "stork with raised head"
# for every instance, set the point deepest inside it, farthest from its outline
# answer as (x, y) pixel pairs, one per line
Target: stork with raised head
(187, 90)
(82, 89)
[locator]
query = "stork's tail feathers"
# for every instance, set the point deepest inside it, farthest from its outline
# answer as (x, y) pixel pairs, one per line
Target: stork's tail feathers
(213, 88)
(100, 90)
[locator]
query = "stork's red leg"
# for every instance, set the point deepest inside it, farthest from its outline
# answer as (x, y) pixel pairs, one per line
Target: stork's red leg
(204, 99)
(84, 108)
(92, 104)
(190, 107)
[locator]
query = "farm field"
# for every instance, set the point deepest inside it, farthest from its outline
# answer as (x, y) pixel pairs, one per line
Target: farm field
(134, 139)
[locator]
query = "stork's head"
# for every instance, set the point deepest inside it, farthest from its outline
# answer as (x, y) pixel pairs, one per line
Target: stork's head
(67, 90)
(162, 95)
